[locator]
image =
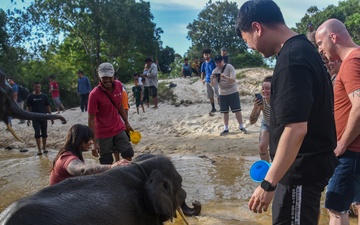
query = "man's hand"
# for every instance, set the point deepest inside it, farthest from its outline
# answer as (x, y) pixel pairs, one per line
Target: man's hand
(122, 162)
(340, 149)
(128, 127)
(260, 200)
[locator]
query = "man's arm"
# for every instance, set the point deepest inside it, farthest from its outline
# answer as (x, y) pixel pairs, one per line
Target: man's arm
(288, 147)
(352, 129)
(89, 85)
(91, 124)
(124, 117)
(152, 71)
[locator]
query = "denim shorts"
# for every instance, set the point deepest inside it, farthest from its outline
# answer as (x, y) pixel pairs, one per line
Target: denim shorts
(264, 126)
(344, 185)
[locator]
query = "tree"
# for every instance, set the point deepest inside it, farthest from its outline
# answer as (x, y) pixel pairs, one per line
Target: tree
(215, 28)
(165, 57)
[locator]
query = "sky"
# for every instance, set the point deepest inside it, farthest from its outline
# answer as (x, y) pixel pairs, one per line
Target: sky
(173, 16)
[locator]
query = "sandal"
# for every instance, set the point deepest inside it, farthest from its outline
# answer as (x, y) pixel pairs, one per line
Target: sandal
(39, 153)
(45, 151)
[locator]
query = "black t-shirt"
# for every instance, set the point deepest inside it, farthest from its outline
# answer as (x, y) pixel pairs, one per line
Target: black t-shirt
(301, 91)
(38, 103)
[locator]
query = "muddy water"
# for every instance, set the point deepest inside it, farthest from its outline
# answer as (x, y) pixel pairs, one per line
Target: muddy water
(222, 185)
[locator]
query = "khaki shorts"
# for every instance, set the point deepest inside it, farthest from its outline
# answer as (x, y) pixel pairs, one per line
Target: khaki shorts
(118, 143)
(212, 92)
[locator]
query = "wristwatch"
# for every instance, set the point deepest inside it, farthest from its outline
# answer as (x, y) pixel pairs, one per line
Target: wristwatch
(267, 186)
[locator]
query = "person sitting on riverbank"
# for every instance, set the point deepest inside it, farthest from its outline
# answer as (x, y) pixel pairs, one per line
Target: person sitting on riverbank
(69, 162)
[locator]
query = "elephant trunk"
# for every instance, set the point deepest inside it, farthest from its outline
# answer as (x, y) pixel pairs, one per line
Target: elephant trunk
(191, 211)
(19, 113)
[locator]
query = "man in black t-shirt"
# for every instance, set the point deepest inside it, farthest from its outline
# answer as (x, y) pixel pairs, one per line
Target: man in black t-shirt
(39, 103)
(302, 128)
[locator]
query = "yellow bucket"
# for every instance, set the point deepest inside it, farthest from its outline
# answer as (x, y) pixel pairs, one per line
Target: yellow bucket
(135, 137)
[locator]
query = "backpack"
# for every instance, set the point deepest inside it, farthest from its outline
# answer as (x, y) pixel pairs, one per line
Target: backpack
(23, 92)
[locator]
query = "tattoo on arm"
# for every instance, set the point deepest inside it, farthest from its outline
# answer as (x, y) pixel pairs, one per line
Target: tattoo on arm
(78, 168)
(356, 93)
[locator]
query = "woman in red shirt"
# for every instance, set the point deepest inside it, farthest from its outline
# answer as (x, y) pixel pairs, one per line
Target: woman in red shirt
(69, 161)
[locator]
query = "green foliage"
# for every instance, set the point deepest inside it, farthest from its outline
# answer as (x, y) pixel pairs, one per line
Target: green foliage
(215, 28)
(165, 57)
(247, 59)
(347, 11)
(176, 67)
(165, 93)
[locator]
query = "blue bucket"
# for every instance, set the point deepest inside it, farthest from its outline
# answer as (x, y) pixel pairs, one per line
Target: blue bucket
(259, 170)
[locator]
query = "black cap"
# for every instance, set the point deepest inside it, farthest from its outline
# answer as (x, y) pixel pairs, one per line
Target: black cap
(218, 58)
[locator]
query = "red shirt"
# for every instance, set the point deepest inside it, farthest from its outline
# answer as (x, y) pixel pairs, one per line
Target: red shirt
(54, 93)
(347, 81)
(59, 173)
(108, 122)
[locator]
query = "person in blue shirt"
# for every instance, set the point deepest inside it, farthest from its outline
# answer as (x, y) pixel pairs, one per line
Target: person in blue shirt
(206, 71)
(186, 69)
(84, 88)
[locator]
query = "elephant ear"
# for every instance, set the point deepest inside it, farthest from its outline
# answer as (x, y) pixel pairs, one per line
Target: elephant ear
(159, 198)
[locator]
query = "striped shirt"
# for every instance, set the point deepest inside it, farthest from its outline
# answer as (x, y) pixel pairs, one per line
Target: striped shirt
(266, 112)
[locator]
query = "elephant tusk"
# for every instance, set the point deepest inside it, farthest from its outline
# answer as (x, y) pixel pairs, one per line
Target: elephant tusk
(13, 132)
(182, 215)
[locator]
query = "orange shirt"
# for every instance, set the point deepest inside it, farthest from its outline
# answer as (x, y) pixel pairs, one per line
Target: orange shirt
(125, 101)
(347, 81)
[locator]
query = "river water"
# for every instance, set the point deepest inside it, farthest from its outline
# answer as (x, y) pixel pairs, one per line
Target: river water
(222, 185)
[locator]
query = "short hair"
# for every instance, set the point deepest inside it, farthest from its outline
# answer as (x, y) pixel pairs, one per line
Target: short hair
(148, 59)
(80, 71)
(51, 77)
(136, 74)
(223, 49)
(262, 11)
(206, 51)
(36, 82)
(267, 79)
(136, 79)
(195, 57)
(186, 59)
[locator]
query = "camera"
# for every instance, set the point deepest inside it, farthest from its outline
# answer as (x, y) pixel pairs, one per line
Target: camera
(217, 75)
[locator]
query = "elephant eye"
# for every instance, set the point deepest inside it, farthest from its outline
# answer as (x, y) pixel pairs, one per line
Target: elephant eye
(166, 186)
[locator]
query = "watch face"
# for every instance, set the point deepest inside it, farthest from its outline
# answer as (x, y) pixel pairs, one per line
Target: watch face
(267, 186)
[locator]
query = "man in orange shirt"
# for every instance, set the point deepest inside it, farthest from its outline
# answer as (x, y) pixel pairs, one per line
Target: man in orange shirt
(335, 43)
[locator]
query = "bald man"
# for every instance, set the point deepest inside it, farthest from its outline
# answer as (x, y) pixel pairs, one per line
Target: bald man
(335, 43)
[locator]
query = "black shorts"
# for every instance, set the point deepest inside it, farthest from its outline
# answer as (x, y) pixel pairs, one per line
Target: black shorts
(40, 126)
(153, 91)
(297, 204)
(138, 102)
(230, 101)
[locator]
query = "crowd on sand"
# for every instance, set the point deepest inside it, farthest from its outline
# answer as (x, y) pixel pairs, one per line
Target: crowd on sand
(310, 126)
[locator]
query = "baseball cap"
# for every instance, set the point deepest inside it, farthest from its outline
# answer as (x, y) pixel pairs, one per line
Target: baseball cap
(218, 58)
(106, 70)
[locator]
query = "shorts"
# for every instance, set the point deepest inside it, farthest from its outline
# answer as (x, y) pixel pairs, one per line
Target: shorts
(264, 125)
(119, 143)
(212, 92)
(297, 204)
(153, 91)
(40, 126)
(57, 102)
(232, 101)
(344, 185)
(138, 102)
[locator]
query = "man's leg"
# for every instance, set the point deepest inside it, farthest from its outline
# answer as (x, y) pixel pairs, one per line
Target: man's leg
(82, 102)
(297, 204)
(106, 150)
(36, 126)
(210, 95)
(43, 127)
(343, 188)
(122, 144)
(38, 144)
(226, 121)
(86, 96)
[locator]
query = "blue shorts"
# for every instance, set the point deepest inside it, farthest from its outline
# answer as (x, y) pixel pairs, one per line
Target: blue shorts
(344, 185)
(264, 126)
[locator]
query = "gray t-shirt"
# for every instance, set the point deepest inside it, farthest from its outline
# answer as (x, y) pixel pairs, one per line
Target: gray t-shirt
(152, 76)
(226, 87)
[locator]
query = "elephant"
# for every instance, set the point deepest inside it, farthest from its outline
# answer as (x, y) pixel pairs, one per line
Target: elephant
(147, 192)
(8, 107)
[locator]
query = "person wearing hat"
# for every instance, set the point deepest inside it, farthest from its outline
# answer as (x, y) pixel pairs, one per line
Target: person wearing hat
(84, 88)
(224, 76)
(105, 105)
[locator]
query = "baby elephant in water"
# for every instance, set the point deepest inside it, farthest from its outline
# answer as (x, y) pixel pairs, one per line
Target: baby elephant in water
(146, 192)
